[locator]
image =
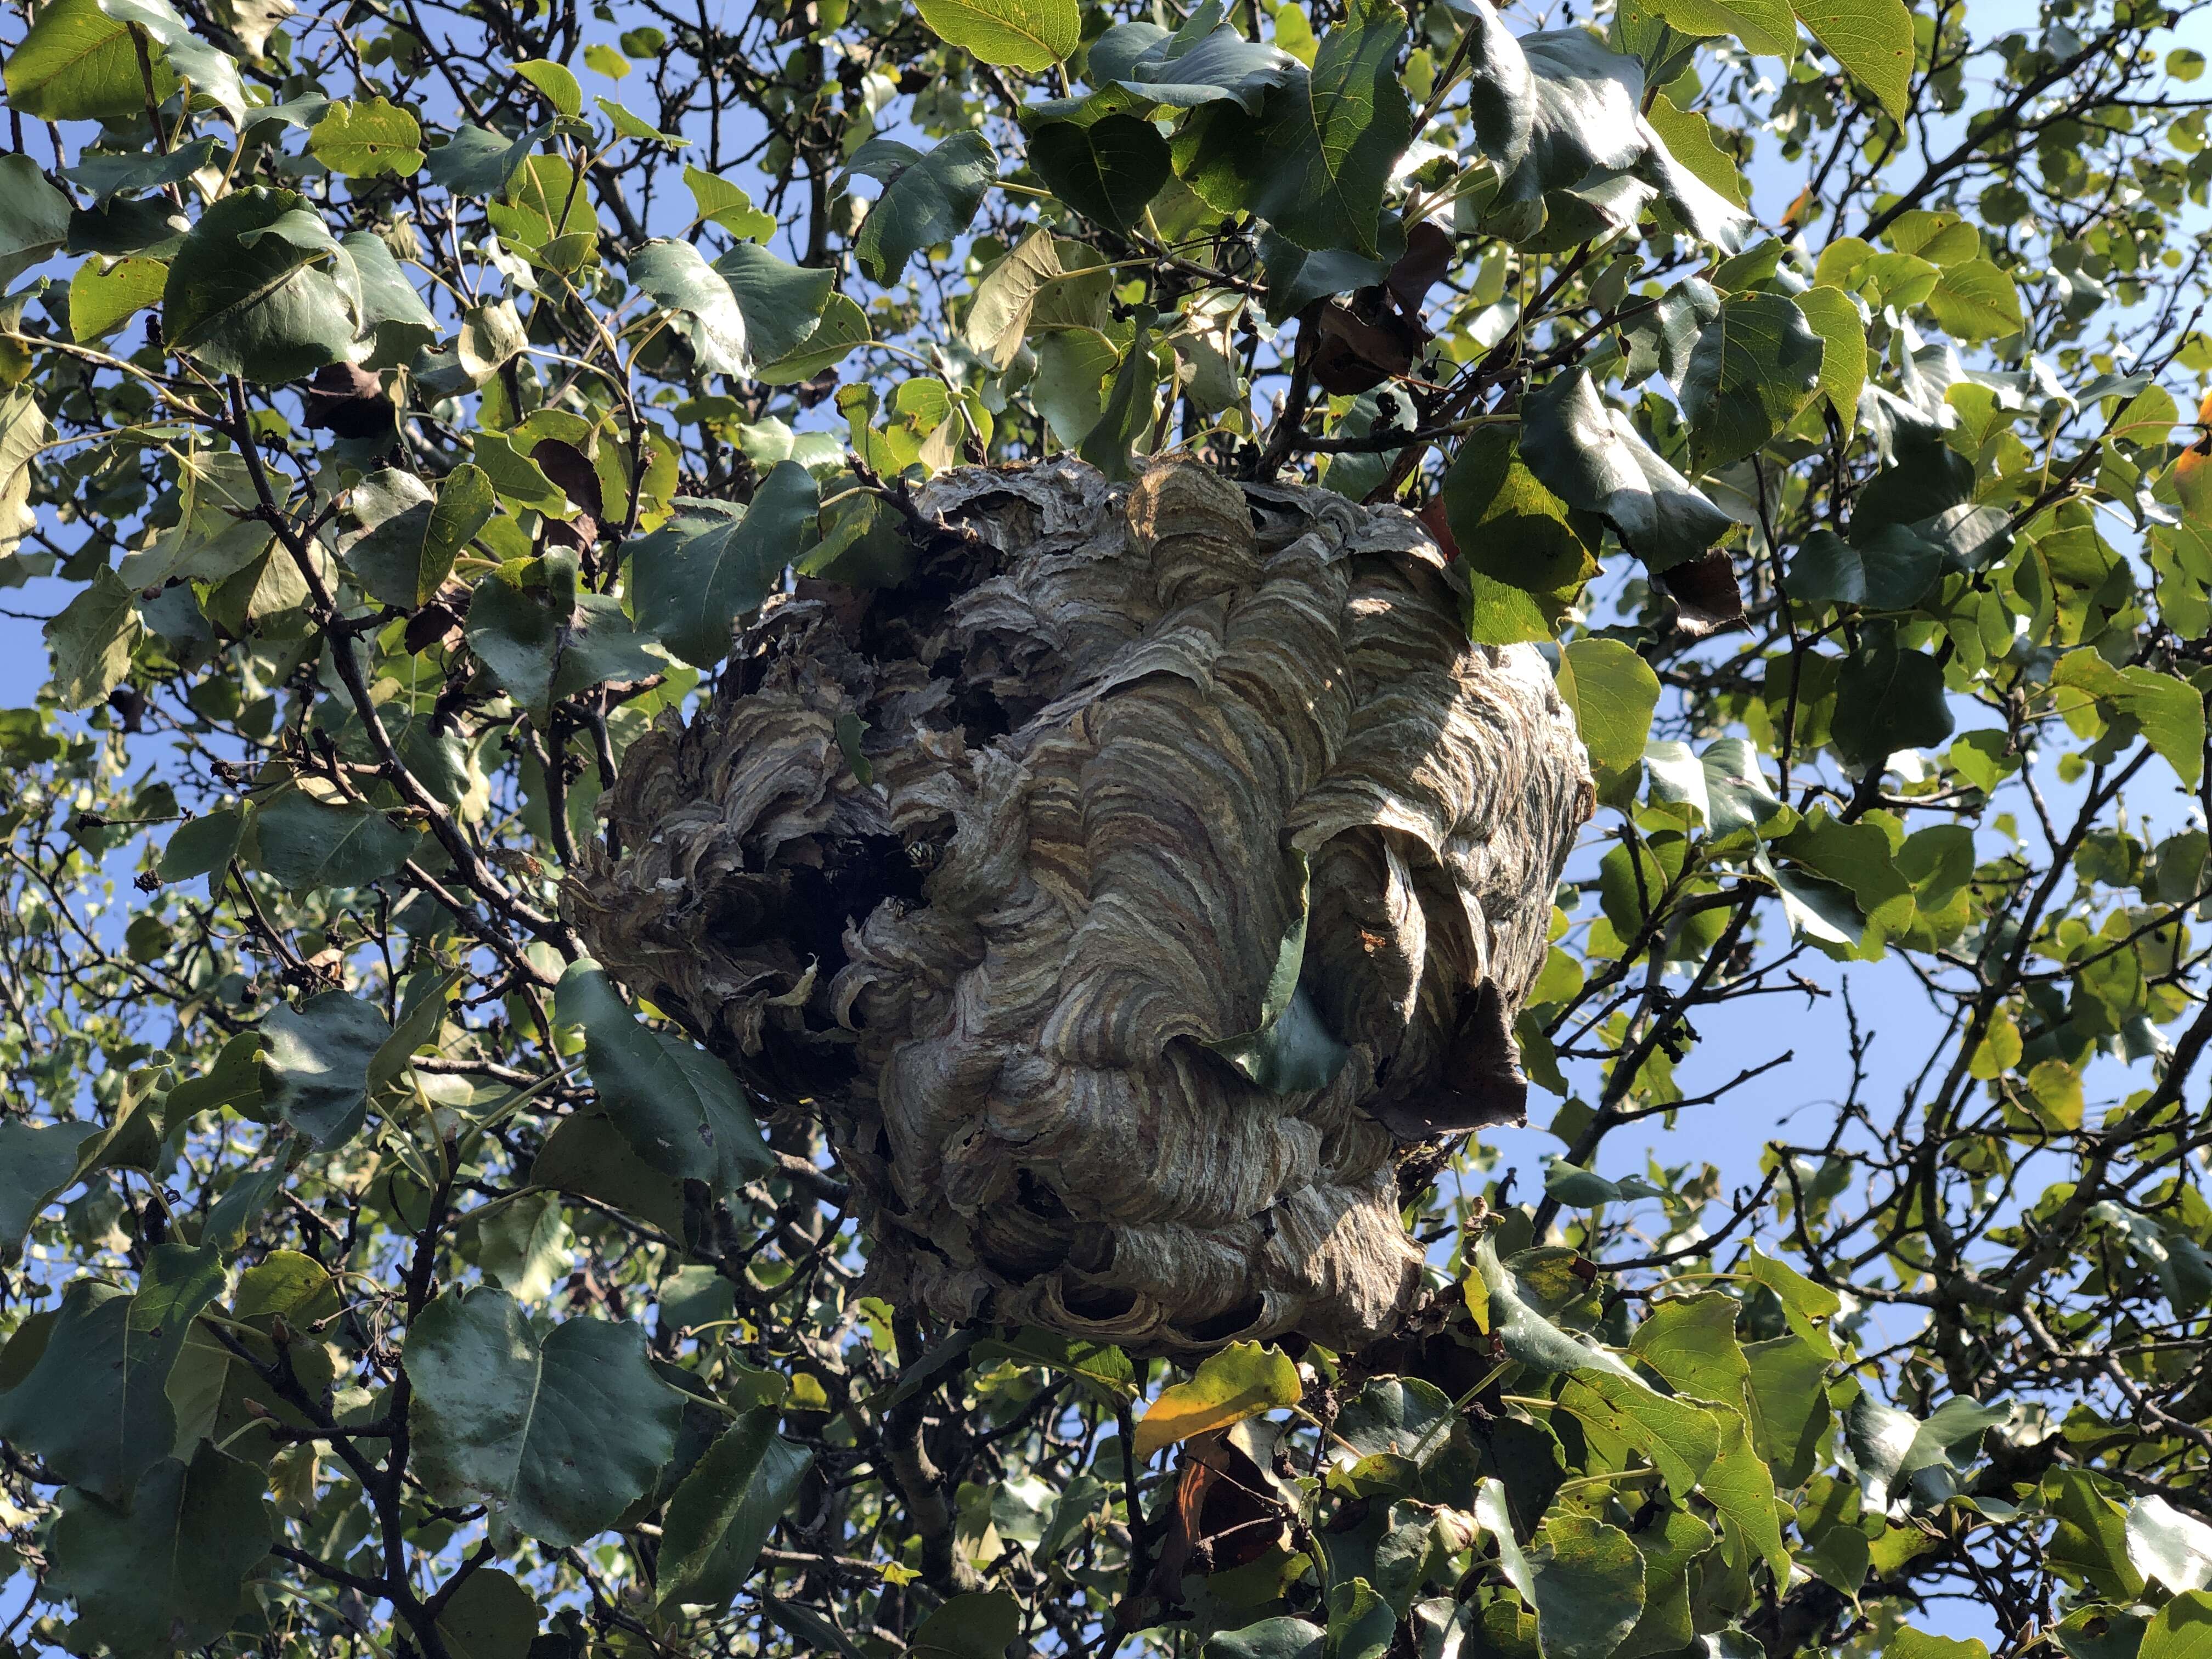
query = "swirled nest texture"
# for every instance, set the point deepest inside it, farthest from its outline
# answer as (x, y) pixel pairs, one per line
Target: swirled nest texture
(1007, 873)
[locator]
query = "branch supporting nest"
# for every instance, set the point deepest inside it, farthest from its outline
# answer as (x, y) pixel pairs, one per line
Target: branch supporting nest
(1131, 893)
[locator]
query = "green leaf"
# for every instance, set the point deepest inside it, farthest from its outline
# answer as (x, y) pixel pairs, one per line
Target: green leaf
(1590, 1585)
(1493, 1509)
(1689, 139)
(167, 1574)
(36, 1165)
(1507, 525)
(392, 314)
(544, 644)
(1317, 163)
(34, 217)
(234, 1080)
(1187, 69)
(782, 303)
(1070, 386)
(930, 200)
(627, 123)
(1941, 238)
(1660, 340)
(1105, 1371)
(76, 62)
(1588, 454)
(518, 478)
(1737, 794)
(682, 1108)
(1241, 1381)
(1690, 1340)
(218, 533)
(843, 326)
(1360, 1621)
(1805, 1305)
(365, 139)
(23, 430)
(547, 209)
(409, 549)
(1888, 699)
(1530, 1338)
(491, 1616)
(1753, 367)
(101, 300)
(2165, 1544)
(1741, 1488)
(1893, 571)
(426, 999)
(693, 578)
(2169, 711)
(1764, 26)
(1888, 1444)
(1975, 301)
(1613, 694)
(523, 1246)
(315, 1062)
(475, 163)
(725, 1508)
(976, 1625)
(490, 336)
(558, 1428)
(91, 639)
(1290, 1049)
(1790, 1416)
(1680, 1439)
(2181, 1630)
(1108, 171)
(721, 203)
(213, 74)
(1023, 34)
(1392, 1420)
(560, 87)
(253, 291)
(586, 1155)
(2089, 1541)
(1280, 1637)
(679, 279)
(999, 316)
(1906, 1642)
(233, 1215)
(1872, 39)
(305, 845)
(1127, 419)
(93, 1403)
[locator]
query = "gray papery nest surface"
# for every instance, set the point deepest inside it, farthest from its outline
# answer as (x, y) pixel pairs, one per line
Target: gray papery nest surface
(1129, 891)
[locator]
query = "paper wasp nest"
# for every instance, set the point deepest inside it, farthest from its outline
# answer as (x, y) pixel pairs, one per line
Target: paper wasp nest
(1000, 874)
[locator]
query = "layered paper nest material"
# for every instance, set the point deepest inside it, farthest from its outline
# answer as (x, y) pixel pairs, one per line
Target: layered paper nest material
(1007, 875)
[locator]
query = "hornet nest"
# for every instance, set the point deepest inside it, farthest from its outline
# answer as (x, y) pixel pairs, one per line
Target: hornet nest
(1131, 891)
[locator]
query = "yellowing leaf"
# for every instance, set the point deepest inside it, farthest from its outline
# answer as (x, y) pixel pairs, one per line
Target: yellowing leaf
(101, 301)
(2057, 1088)
(1975, 301)
(1833, 316)
(1023, 34)
(561, 87)
(1766, 26)
(1241, 1381)
(362, 140)
(1872, 38)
